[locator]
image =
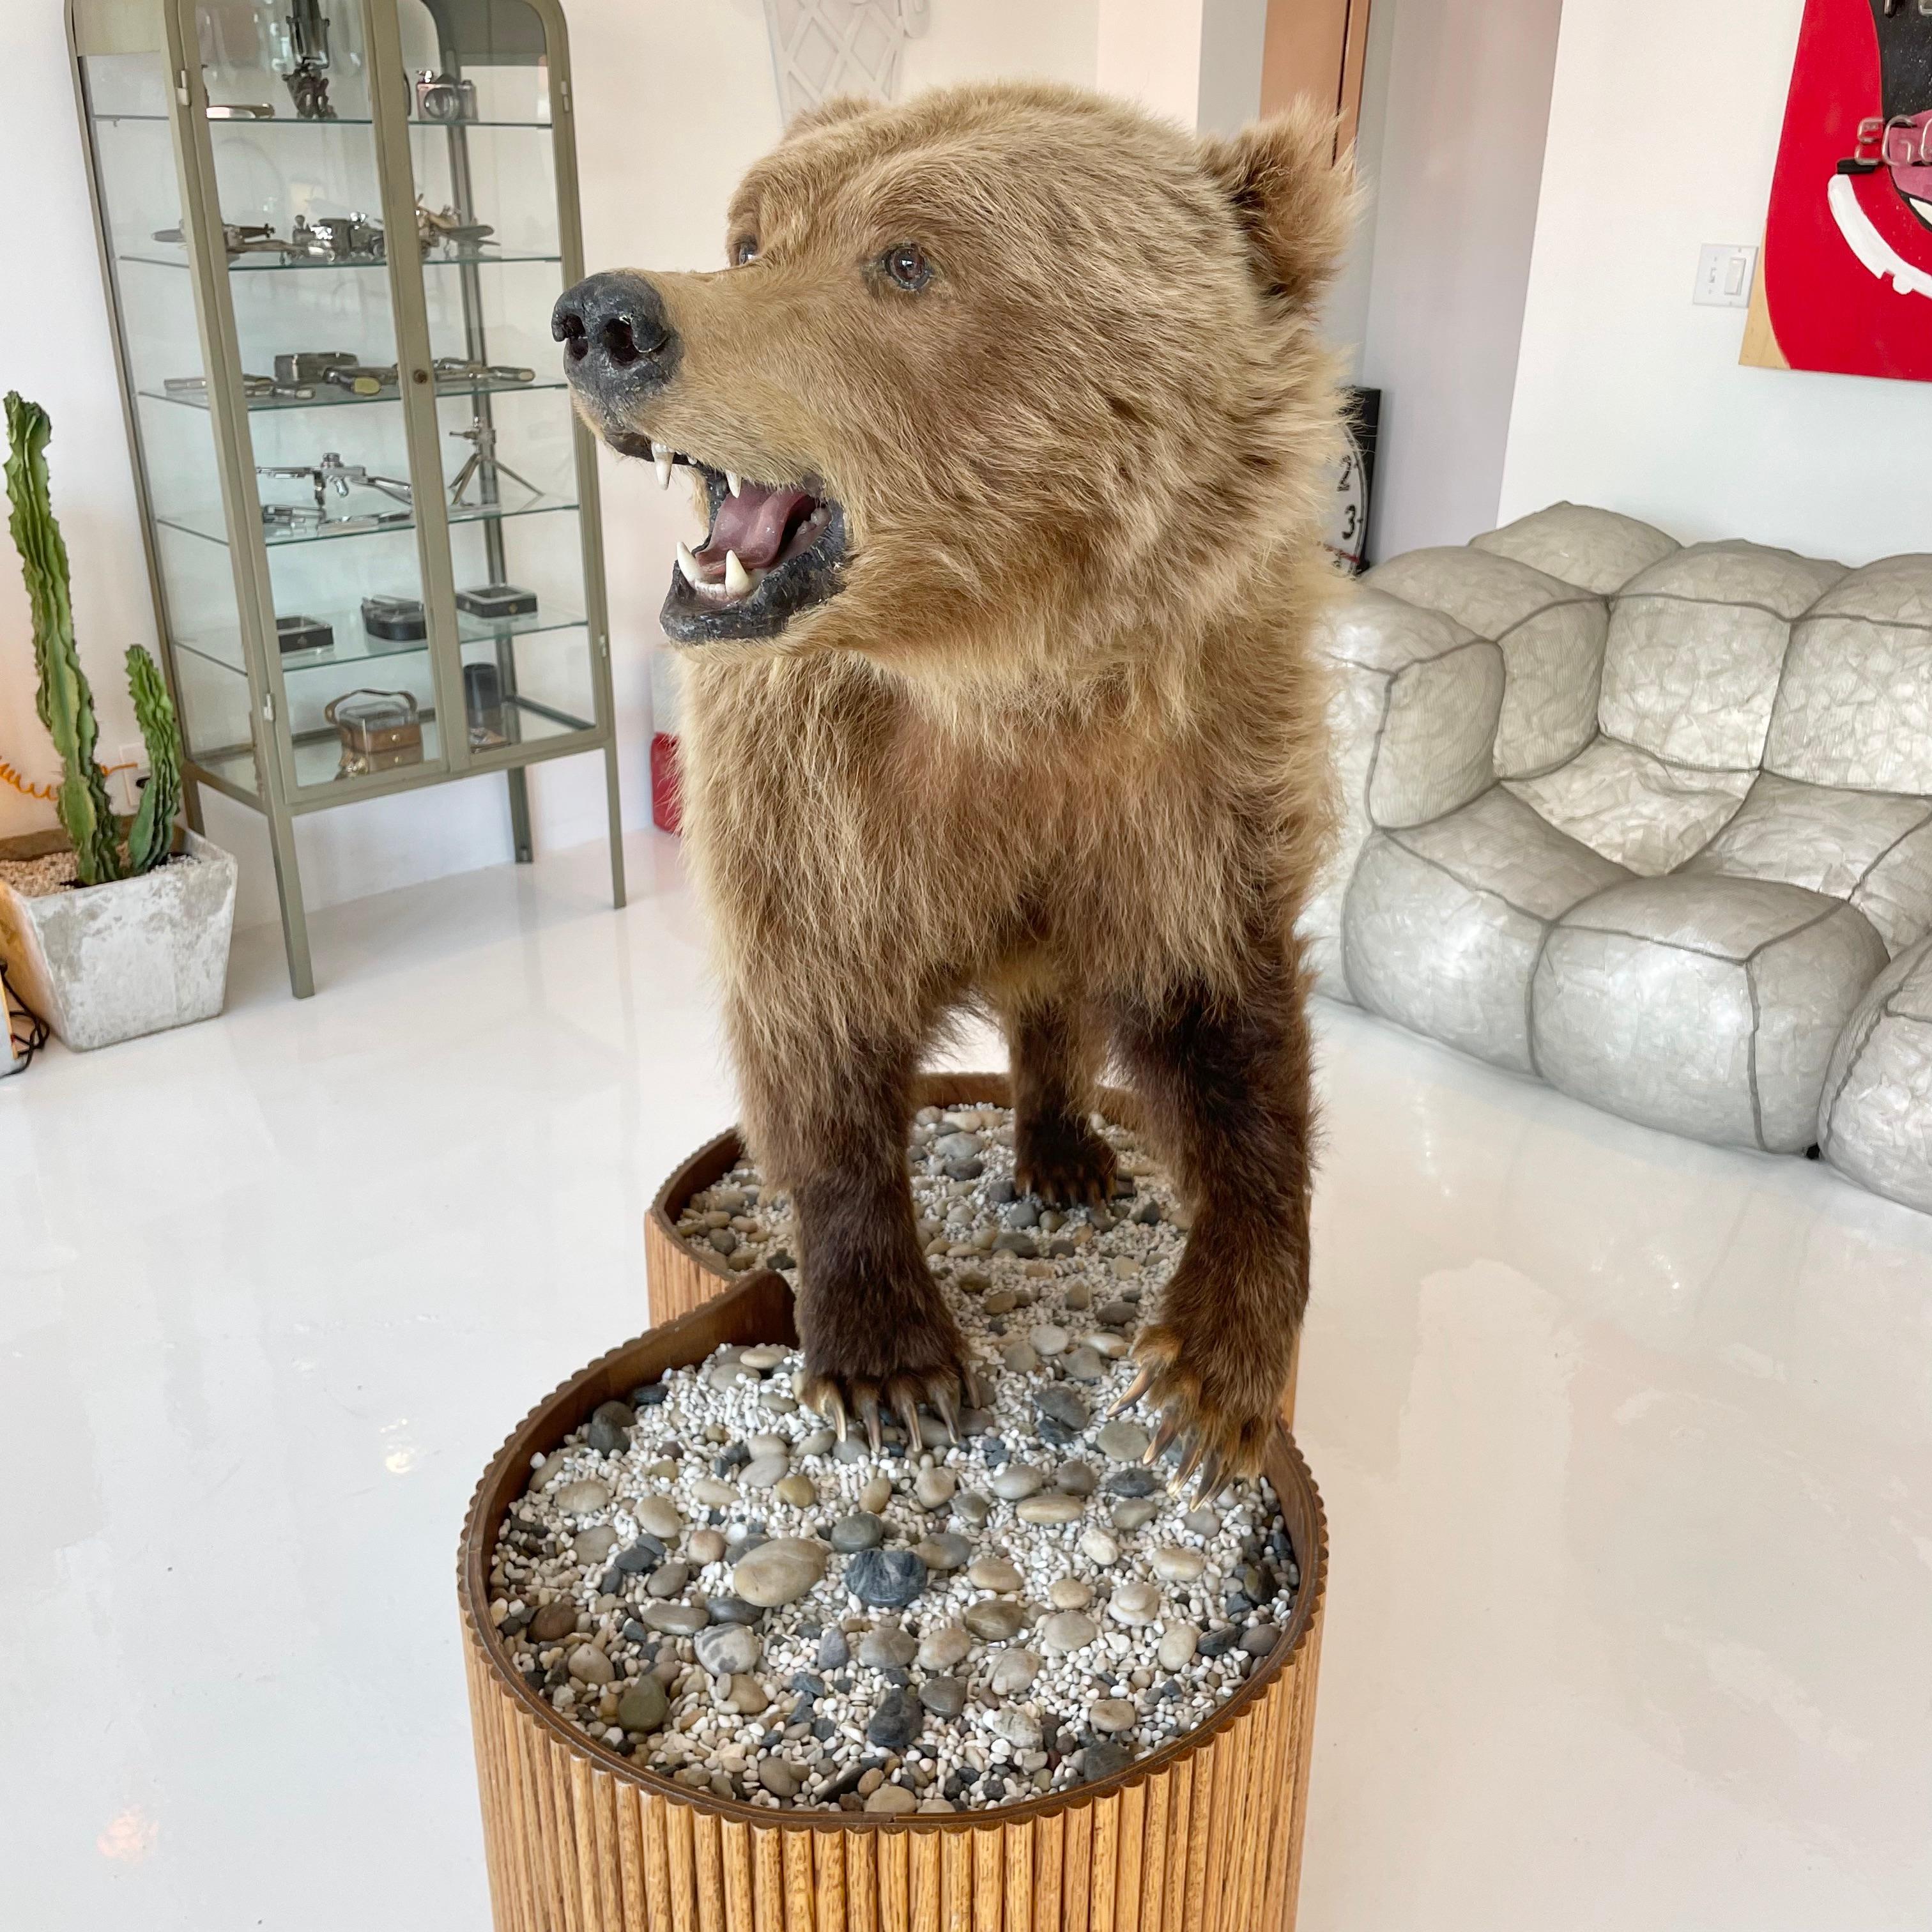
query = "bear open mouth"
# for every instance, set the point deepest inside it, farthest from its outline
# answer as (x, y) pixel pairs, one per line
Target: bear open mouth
(770, 550)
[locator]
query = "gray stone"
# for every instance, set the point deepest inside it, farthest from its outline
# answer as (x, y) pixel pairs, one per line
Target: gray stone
(1013, 1671)
(1117, 1314)
(946, 1551)
(675, 1619)
(1022, 1214)
(833, 1650)
(1067, 1630)
(643, 1705)
(589, 1665)
(887, 1644)
(1083, 1365)
(945, 1697)
(668, 1579)
(892, 1797)
(1126, 1442)
(1020, 1357)
(1135, 1602)
(1259, 1640)
(972, 1508)
(592, 1546)
(1018, 1479)
(1019, 1728)
(583, 1497)
(993, 1620)
(1008, 1242)
(994, 1573)
(659, 1515)
(957, 1147)
(863, 1531)
(820, 1442)
(1105, 1758)
(942, 1646)
(895, 1722)
(1055, 1506)
(1061, 1405)
(726, 1649)
(1076, 1478)
(886, 1579)
(779, 1571)
(1110, 1714)
(1134, 1481)
(733, 1610)
(762, 1471)
(637, 1558)
(781, 1780)
(933, 1489)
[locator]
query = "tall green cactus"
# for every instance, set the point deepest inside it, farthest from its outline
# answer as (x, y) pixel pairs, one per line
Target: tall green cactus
(150, 836)
(65, 702)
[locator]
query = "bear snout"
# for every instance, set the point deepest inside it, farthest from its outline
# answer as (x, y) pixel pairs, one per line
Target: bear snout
(618, 342)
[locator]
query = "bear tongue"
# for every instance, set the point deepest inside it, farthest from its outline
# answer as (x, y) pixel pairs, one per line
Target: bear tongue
(753, 523)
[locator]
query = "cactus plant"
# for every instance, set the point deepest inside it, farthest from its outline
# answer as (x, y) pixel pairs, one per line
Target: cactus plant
(65, 702)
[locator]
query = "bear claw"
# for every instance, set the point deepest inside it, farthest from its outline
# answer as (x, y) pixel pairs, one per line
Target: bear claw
(1064, 1164)
(868, 1399)
(1221, 1434)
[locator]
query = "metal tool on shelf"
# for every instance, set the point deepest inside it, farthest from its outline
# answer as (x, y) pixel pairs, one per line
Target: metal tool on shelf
(482, 467)
(304, 64)
(238, 238)
(449, 228)
(329, 473)
(255, 387)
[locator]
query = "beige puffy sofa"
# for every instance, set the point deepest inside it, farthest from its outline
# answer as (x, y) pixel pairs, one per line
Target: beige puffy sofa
(1650, 822)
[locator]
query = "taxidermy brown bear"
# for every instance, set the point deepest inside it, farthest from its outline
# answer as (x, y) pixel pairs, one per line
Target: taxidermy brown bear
(1008, 416)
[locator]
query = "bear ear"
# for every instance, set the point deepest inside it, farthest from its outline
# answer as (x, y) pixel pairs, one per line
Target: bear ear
(1295, 201)
(828, 113)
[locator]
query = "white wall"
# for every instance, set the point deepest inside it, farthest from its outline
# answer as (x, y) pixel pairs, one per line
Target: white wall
(674, 100)
(1456, 95)
(1663, 129)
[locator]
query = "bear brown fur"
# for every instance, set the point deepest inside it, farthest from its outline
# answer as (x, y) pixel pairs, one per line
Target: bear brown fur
(1048, 736)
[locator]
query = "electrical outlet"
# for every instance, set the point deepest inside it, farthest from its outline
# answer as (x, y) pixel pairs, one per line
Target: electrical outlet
(1724, 271)
(134, 779)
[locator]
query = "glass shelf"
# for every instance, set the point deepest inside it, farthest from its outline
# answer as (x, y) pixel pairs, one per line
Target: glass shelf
(353, 644)
(328, 397)
(212, 530)
(262, 265)
(281, 120)
(318, 759)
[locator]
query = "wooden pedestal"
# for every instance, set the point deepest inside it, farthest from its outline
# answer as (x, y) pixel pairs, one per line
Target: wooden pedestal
(1203, 1835)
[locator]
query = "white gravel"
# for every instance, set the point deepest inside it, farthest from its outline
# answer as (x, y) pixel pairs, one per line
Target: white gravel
(1073, 1636)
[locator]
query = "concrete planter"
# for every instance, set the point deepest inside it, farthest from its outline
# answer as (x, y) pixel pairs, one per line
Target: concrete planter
(105, 963)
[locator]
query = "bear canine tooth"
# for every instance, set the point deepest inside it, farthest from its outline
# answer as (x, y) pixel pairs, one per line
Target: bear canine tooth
(687, 565)
(731, 477)
(738, 582)
(662, 456)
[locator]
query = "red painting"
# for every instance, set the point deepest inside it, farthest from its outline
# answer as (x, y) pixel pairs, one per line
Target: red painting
(1848, 245)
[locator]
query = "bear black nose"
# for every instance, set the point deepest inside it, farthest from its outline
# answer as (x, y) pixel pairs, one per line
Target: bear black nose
(615, 337)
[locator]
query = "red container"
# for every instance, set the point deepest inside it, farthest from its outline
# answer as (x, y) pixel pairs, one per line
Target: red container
(664, 782)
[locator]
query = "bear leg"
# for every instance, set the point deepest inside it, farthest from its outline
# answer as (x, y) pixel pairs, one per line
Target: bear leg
(876, 1336)
(1057, 1157)
(1226, 1085)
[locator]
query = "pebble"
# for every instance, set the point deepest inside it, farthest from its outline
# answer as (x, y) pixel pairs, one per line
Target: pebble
(1013, 1671)
(895, 1723)
(1048, 1339)
(887, 1579)
(1056, 1506)
(780, 1779)
(863, 1531)
(886, 1646)
(833, 1650)
(1067, 1630)
(994, 1572)
(946, 1551)
(706, 1546)
(725, 1649)
(972, 1508)
(1125, 1442)
(1083, 1364)
(584, 1498)
(709, 1490)
(762, 1356)
(892, 1797)
(1202, 1523)
(762, 1472)
(934, 1488)
(1077, 1479)
(942, 1647)
(1176, 1563)
(1133, 1513)
(1134, 1482)
(554, 1621)
(590, 1665)
(1135, 1602)
(675, 1619)
(668, 1579)
(657, 1515)
(993, 1620)
(1021, 1357)
(945, 1697)
(1099, 1547)
(1059, 1404)
(1018, 1726)
(798, 1492)
(779, 1571)
(643, 1706)
(1112, 1714)
(1178, 1644)
(1018, 1480)
(1069, 1593)
(875, 1493)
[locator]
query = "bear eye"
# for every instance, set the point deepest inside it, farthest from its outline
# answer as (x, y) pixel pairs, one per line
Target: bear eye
(908, 266)
(743, 250)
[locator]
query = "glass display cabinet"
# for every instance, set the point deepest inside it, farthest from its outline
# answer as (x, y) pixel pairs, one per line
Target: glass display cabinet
(332, 233)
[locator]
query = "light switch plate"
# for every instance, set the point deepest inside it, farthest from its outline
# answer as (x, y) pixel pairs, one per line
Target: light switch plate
(1724, 272)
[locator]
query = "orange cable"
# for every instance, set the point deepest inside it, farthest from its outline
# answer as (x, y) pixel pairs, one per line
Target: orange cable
(50, 793)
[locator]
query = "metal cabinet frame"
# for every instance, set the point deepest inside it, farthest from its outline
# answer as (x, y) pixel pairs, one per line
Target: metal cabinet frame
(169, 26)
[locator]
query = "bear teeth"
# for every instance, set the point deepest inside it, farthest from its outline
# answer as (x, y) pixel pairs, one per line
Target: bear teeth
(662, 456)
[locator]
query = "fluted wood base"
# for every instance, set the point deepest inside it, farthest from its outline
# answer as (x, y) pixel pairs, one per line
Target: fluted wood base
(1203, 1835)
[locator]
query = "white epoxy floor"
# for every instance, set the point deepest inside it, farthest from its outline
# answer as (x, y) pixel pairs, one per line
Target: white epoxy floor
(1626, 1444)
